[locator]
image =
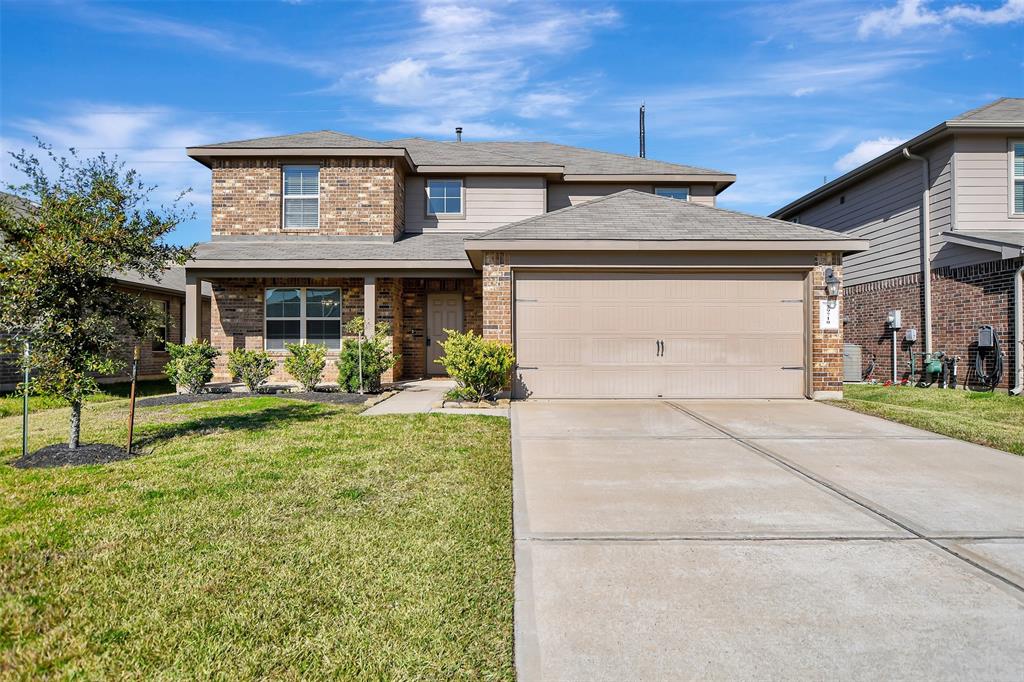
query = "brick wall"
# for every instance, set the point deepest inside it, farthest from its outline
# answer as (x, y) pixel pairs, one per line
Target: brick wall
(826, 346)
(358, 196)
(963, 299)
(414, 307)
(238, 316)
(497, 295)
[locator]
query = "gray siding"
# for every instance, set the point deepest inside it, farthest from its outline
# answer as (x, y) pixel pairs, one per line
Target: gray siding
(565, 194)
(885, 209)
(490, 202)
(983, 183)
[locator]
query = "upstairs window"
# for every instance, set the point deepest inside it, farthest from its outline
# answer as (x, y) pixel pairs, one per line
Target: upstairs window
(1018, 178)
(301, 197)
(681, 193)
(299, 315)
(444, 197)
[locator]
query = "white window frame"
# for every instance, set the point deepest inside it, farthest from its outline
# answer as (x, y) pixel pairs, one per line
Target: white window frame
(462, 199)
(303, 318)
(285, 196)
(673, 189)
(1014, 179)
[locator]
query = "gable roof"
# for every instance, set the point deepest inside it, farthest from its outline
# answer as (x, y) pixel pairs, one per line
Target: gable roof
(632, 216)
(1005, 114)
(433, 156)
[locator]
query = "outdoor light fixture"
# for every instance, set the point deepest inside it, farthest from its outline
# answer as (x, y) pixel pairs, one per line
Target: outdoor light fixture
(831, 283)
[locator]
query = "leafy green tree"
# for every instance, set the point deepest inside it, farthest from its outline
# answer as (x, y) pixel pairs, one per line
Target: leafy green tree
(90, 219)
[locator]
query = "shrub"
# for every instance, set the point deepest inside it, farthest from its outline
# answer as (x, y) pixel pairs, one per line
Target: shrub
(480, 367)
(371, 353)
(191, 365)
(251, 367)
(306, 364)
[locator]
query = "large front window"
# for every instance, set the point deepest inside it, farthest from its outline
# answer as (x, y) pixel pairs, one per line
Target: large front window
(303, 315)
(301, 197)
(1018, 178)
(444, 197)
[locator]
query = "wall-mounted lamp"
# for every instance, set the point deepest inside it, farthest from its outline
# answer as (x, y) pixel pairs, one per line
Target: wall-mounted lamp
(831, 283)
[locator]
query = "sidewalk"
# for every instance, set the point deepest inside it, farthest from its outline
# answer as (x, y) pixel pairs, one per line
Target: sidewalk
(418, 397)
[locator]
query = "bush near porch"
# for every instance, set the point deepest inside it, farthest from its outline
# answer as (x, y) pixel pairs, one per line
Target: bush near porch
(993, 419)
(260, 538)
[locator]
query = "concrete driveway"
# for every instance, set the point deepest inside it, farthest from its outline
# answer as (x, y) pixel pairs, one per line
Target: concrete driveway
(662, 540)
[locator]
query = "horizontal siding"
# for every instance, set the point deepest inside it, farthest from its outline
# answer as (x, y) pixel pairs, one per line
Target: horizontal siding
(983, 183)
(885, 209)
(490, 202)
(565, 194)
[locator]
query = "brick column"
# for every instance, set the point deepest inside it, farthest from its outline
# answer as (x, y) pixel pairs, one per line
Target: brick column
(497, 295)
(826, 345)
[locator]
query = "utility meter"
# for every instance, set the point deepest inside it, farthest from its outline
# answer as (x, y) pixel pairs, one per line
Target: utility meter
(986, 337)
(910, 336)
(894, 320)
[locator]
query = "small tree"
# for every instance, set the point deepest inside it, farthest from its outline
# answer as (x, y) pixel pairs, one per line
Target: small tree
(87, 220)
(306, 364)
(251, 367)
(371, 354)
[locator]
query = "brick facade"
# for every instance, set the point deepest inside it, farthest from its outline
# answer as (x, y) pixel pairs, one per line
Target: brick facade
(963, 299)
(239, 315)
(359, 196)
(497, 294)
(826, 346)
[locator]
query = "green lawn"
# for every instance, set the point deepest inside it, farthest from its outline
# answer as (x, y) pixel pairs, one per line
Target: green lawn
(12, 404)
(260, 537)
(993, 419)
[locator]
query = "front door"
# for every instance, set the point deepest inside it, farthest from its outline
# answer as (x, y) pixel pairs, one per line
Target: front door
(444, 311)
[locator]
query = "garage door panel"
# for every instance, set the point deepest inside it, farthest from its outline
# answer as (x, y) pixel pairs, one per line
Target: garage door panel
(595, 334)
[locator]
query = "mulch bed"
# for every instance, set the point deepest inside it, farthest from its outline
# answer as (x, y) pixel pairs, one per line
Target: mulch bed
(326, 397)
(59, 456)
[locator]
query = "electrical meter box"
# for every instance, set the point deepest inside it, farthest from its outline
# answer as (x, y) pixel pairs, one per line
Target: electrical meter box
(986, 337)
(894, 320)
(911, 336)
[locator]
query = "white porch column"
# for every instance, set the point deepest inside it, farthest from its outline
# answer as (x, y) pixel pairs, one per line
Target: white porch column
(369, 305)
(193, 307)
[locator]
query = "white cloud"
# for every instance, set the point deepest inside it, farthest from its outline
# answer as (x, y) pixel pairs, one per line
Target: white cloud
(907, 15)
(545, 104)
(865, 151)
(151, 140)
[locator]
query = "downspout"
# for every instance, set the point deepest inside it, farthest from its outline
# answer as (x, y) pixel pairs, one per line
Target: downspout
(1018, 332)
(926, 246)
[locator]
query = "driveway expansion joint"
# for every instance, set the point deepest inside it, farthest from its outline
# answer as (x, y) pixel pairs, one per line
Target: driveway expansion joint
(839, 490)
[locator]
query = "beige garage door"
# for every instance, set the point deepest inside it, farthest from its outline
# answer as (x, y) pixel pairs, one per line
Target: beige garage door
(628, 335)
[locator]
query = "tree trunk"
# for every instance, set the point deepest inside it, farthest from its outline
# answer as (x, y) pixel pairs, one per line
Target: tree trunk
(76, 425)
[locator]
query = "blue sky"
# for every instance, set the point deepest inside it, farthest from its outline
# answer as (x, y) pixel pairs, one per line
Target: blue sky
(783, 94)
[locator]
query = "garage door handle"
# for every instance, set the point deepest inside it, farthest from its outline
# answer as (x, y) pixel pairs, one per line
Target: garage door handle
(800, 368)
(522, 367)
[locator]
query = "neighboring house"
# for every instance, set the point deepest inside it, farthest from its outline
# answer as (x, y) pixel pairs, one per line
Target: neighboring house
(971, 228)
(168, 292)
(612, 276)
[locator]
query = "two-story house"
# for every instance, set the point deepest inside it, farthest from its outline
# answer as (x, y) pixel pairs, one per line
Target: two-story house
(612, 276)
(944, 213)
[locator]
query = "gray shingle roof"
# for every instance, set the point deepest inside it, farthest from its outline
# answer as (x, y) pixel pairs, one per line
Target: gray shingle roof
(1007, 109)
(434, 153)
(632, 215)
(581, 161)
(315, 139)
(291, 248)
(172, 279)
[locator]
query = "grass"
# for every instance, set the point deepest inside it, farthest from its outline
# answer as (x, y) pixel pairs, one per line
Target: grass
(12, 404)
(993, 419)
(260, 538)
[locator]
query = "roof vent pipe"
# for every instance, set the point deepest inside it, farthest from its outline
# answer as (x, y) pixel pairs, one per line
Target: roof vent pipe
(926, 246)
(458, 134)
(643, 132)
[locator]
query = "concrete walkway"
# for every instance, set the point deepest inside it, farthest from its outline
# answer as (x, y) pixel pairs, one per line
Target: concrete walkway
(420, 397)
(664, 540)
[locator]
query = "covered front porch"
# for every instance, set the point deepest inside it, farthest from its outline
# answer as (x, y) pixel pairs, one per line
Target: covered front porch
(262, 311)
